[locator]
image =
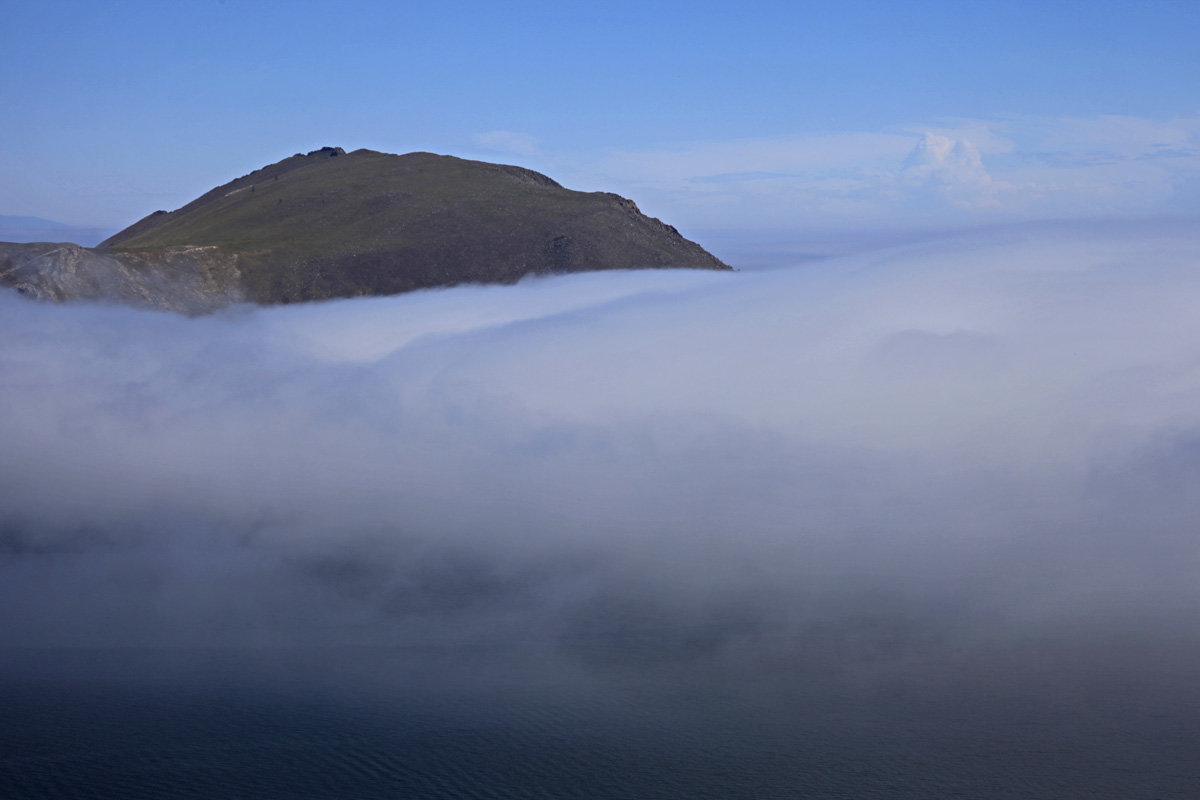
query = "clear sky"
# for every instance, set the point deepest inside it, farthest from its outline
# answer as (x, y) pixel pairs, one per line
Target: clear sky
(768, 116)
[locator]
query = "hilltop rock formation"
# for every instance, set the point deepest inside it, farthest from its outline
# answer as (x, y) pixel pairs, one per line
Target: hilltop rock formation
(334, 224)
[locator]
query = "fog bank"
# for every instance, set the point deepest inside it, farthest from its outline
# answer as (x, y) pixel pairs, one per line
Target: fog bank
(972, 456)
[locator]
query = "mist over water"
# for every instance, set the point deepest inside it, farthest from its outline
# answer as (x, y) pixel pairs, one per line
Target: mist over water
(920, 518)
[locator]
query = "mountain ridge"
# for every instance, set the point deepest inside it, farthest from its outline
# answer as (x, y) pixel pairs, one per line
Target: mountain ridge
(328, 224)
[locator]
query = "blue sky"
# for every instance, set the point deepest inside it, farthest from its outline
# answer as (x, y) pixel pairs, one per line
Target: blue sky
(767, 117)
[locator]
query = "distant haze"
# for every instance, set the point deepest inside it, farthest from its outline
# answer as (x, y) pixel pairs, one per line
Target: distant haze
(33, 229)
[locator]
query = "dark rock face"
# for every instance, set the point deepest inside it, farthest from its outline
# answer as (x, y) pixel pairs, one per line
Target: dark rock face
(334, 224)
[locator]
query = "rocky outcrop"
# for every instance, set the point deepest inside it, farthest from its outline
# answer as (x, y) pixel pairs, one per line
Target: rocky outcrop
(191, 280)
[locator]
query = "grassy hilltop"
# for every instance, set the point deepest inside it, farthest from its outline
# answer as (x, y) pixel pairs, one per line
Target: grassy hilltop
(336, 224)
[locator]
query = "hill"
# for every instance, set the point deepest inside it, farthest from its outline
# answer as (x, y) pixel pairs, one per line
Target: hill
(332, 224)
(336, 224)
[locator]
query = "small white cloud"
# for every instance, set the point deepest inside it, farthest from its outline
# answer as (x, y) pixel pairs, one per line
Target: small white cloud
(951, 168)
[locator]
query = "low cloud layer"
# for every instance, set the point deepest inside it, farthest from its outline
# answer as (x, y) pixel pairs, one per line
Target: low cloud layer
(976, 451)
(931, 174)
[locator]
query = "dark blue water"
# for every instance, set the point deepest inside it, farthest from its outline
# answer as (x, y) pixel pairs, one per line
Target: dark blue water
(222, 724)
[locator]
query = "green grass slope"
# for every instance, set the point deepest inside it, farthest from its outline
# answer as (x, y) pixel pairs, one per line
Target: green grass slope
(336, 224)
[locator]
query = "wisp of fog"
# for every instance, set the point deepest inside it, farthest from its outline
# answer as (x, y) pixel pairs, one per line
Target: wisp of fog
(972, 459)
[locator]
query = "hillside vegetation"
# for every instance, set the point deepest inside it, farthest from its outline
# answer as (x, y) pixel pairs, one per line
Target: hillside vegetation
(336, 224)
